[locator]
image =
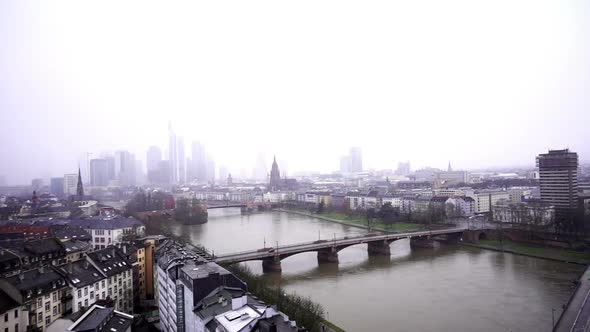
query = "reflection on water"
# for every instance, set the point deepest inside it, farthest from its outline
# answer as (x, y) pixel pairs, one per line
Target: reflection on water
(449, 288)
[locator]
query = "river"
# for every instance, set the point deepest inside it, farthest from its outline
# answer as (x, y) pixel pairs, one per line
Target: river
(448, 288)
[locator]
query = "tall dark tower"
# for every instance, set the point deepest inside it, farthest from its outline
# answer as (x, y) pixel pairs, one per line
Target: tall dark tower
(80, 188)
(275, 176)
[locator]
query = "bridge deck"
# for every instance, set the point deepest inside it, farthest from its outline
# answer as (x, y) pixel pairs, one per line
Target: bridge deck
(291, 249)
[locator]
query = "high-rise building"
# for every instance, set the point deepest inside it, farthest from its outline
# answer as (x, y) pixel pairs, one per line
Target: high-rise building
(37, 184)
(153, 157)
(356, 159)
(99, 172)
(70, 184)
(125, 168)
(222, 174)
(345, 164)
(558, 179)
(56, 186)
(210, 169)
(403, 168)
(172, 154)
(198, 166)
(181, 159)
(111, 175)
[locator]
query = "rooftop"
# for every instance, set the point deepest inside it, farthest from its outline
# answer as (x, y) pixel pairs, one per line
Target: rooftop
(107, 223)
(111, 261)
(102, 319)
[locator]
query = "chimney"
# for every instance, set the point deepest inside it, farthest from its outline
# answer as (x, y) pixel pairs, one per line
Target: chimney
(86, 265)
(124, 249)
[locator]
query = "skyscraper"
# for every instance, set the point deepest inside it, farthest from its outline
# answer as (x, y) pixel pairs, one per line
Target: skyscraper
(558, 180)
(345, 164)
(70, 184)
(181, 159)
(356, 159)
(99, 173)
(56, 186)
(125, 168)
(403, 168)
(173, 155)
(198, 166)
(153, 158)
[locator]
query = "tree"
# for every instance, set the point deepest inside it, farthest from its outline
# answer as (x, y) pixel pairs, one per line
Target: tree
(370, 214)
(321, 207)
(190, 211)
(388, 214)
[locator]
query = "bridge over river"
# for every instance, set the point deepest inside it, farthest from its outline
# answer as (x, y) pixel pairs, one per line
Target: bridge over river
(327, 250)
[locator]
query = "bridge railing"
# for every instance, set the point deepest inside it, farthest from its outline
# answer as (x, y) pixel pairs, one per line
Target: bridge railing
(346, 238)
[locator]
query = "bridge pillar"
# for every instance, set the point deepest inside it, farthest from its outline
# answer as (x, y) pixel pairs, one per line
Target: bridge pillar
(328, 255)
(272, 264)
(379, 248)
(422, 242)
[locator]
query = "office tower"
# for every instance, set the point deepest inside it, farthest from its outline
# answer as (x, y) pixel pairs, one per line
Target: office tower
(172, 154)
(70, 184)
(181, 159)
(37, 184)
(345, 164)
(125, 168)
(153, 158)
(56, 186)
(198, 167)
(99, 172)
(558, 179)
(356, 159)
(403, 168)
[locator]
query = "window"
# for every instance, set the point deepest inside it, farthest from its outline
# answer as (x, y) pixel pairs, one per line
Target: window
(40, 318)
(15, 327)
(85, 291)
(6, 329)
(46, 306)
(16, 313)
(54, 296)
(92, 295)
(6, 317)
(103, 295)
(86, 302)
(79, 293)
(102, 283)
(96, 286)
(79, 305)
(54, 310)
(47, 320)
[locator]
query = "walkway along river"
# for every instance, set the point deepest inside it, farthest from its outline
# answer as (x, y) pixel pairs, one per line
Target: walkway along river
(448, 288)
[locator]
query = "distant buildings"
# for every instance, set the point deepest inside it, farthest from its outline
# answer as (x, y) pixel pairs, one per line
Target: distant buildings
(56, 186)
(99, 172)
(125, 168)
(403, 168)
(172, 154)
(356, 160)
(153, 158)
(181, 160)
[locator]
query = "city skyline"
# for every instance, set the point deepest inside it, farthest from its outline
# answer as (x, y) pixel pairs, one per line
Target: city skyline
(457, 95)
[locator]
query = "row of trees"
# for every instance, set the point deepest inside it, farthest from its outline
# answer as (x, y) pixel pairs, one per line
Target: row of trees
(303, 310)
(190, 211)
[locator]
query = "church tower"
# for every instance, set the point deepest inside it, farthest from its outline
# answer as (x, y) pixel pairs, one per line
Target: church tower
(275, 176)
(80, 188)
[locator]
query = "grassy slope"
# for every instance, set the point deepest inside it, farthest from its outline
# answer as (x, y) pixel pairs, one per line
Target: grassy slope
(531, 249)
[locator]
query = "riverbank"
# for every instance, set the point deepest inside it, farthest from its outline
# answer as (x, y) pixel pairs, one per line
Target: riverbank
(530, 250)
(359, 222)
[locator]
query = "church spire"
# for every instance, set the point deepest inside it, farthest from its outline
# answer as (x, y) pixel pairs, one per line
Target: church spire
(80, 188)
(449, 169)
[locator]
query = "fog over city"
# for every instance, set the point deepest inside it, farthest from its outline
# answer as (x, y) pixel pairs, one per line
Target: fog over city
(486, 85)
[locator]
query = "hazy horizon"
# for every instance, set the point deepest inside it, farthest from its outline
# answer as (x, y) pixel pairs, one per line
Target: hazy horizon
(483, 85)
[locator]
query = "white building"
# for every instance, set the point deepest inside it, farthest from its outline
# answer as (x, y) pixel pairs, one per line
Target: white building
(460, 206)
(118, 272)
(70, 184)
(87, 283)
(533, 213)
(111, 230)
(484, 200)
(14, 317)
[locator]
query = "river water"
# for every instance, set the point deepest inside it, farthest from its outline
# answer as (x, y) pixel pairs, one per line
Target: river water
(448, 288)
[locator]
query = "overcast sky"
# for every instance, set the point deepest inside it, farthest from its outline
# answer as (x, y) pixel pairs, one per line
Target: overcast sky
(480, 83)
